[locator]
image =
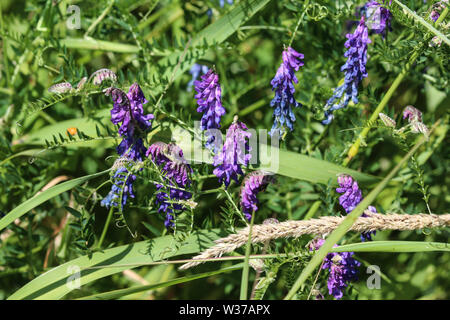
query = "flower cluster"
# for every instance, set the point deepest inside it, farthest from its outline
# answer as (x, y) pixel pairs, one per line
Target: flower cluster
(283, 85)
(378, 17)
(253, 183)
(195, 71)
(209, 100)
(235, 152)
(122, 189)
(342, 269)
(354, 69)
(350, 198)
(175, 175)
(129, 113)
(437, 7)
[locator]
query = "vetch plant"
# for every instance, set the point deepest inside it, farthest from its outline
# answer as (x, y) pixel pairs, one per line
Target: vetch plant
(135, 145)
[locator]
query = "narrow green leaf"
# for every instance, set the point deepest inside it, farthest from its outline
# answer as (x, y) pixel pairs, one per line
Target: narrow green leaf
(115, 294)
(44, 196)
(56, 283)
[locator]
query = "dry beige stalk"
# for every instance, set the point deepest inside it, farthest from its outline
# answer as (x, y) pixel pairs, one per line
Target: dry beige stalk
(321, 226)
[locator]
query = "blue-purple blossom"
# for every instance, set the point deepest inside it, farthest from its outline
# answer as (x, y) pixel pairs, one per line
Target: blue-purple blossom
(342, 268)
(128, 112)
(175, 172)
(209, 100)
(122, 180)
(354, 69)
(195, 71)
(235, 152)
(253, 183)
(378, 17)
(283, 85)
(350, 198)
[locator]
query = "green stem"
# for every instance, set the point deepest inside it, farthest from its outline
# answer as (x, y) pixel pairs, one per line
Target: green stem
(99, 19)
(4, 47)
(105, 228)
(245, 270)
(355, 147)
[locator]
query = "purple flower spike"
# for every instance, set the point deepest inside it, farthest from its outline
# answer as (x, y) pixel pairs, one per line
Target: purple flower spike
(175, 171)
(378, 18)
(128, 111)
(283, 85)
(254, 183)
(351, 198)
(111, 200)
(341, 266)
(209, 100)
(351, 194)
(354, 69)
(235, 152)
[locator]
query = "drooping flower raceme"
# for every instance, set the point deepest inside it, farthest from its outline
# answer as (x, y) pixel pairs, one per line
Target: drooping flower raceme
(378, 17)
(122, 188)
(342, 268)
(195, 71)
(127, 112)
(235, 152)
(209, 100)
(354, 69)
(283, 85)
(253, 183)
(351, 197)
(175, 173)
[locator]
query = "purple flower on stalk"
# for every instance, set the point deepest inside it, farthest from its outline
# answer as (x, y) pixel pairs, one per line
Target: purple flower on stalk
(175, 172)
(378, 17)
(128, 111)
(283, 85)
(351, 193)
(342, 268)
(253, 183)
(235, 152)
(209, 95)
(122, 180)
(354, 69)
(351, 197)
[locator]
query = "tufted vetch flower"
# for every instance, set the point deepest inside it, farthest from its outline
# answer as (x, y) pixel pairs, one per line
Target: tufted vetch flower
(283, 85)
(209, 100)
(342, 267)
(175, 173)
(122, 188)
(253, 183)
(351, 197)
(235, 152)
(128, 112)
(354, 70)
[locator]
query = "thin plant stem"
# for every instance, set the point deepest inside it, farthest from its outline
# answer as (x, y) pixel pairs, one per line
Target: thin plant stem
(245, 270)
(105, 228)
(355, 147)
(339, 232)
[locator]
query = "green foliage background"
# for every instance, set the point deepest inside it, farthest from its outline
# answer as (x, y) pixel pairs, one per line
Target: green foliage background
(155, 43)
